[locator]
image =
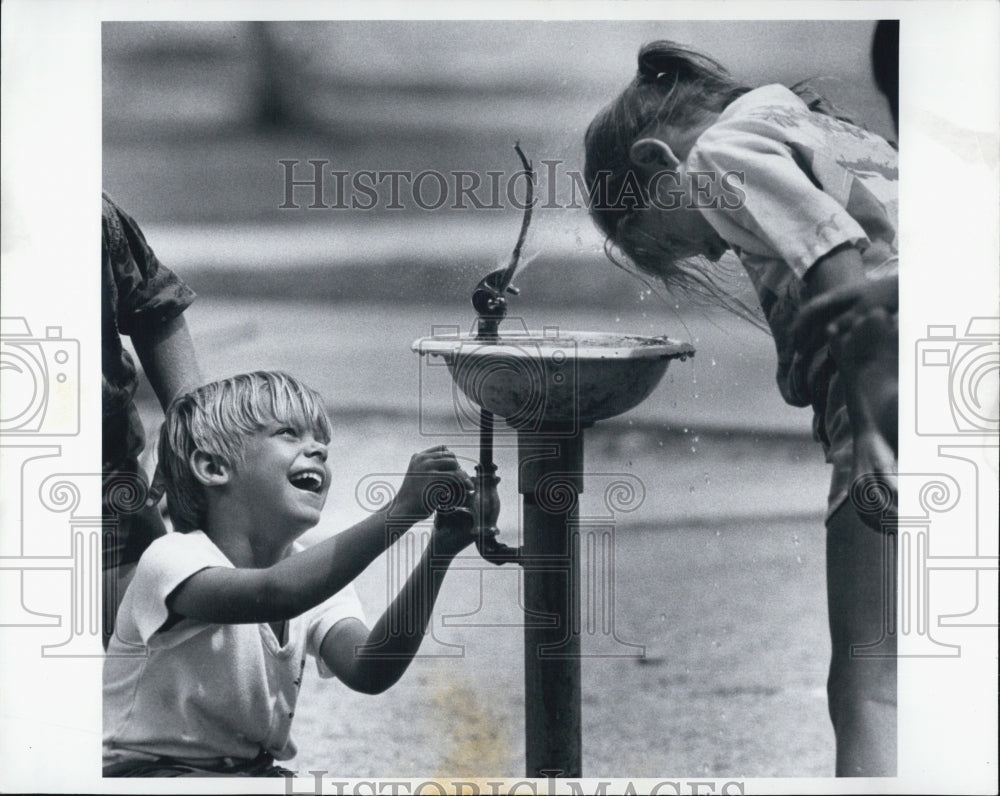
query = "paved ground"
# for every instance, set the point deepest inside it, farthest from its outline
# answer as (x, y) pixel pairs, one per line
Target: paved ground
(727, 679)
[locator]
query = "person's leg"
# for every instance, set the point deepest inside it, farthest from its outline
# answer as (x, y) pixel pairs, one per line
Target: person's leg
(861, 576)
(865, 347)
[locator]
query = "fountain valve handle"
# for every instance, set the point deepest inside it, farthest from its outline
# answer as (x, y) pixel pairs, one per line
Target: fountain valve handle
(488, 502)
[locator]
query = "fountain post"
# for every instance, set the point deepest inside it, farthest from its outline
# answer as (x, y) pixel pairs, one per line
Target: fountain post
(550, 479)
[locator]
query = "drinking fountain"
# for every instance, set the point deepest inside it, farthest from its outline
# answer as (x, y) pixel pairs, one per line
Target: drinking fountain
(549, 385)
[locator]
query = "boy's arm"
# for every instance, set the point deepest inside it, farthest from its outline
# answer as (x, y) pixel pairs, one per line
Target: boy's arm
(372, 661)
(287, 589)
(303, 580)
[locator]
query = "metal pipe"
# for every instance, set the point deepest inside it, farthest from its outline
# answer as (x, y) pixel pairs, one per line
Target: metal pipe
(486, 439)
(550, 479)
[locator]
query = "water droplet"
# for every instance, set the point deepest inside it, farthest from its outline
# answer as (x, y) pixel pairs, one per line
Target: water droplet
(795, 538)
(694, 449)
(685, 430)
(618, 319)
(718, 533)
(660, 443)
(663, 617)
(798, 559)
(713, 362)
(695, 438)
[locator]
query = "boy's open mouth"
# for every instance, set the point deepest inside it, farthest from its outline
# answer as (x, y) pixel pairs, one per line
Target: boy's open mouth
(308, 481)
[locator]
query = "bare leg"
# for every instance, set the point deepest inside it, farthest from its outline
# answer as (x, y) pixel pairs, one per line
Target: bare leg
(865, 344)
(861, 566)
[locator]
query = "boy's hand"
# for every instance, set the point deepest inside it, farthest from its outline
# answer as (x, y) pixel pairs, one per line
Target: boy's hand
(434, 480)
(453, 531)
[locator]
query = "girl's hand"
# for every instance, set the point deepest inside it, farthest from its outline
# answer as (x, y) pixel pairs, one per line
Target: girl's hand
(822, 317)
(433, 480)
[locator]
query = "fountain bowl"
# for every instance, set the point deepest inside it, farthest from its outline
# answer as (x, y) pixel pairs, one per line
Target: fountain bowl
(543, 378)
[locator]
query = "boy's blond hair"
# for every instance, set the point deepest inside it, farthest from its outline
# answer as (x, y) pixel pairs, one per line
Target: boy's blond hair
(217, 418)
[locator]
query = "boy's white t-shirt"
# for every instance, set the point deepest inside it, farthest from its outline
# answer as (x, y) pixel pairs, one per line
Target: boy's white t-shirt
(199, 690)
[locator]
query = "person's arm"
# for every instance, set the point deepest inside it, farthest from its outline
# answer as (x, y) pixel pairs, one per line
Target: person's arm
(168, 359)
(834, 286)
(149, 302)
(372, 661)
(303, 580)
(821, 315)
(288, 588)
(839, 268)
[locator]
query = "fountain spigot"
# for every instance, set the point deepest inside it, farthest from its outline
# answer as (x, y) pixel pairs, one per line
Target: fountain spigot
(489, 296)
(490, 303)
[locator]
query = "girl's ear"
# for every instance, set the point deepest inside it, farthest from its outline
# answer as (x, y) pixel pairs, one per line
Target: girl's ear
(209, 468)
(653, 152)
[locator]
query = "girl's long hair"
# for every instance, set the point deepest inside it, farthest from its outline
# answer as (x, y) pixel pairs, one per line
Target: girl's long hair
(674, 86)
